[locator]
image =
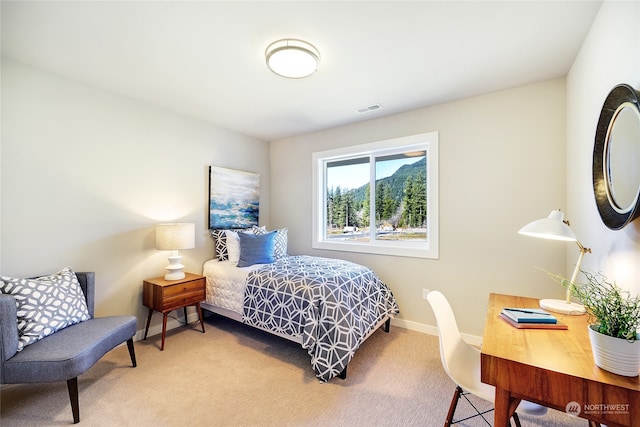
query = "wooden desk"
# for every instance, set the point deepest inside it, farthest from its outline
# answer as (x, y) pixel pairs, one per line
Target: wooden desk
(553, 368)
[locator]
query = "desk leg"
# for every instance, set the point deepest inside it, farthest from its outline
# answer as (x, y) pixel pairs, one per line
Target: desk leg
(200, 316)
(146, 330)
(505, 406)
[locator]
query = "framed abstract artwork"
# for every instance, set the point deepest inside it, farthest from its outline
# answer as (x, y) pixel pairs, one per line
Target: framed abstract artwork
(234, 198)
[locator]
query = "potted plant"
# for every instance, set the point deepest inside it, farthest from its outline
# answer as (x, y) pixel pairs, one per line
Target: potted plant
(614, 322)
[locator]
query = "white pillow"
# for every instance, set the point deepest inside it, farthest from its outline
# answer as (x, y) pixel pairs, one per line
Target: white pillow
(233, 246)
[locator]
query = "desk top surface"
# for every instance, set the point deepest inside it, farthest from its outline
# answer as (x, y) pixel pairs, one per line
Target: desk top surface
(565, 351)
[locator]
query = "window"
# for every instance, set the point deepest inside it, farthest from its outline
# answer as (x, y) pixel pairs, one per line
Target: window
(380, 197)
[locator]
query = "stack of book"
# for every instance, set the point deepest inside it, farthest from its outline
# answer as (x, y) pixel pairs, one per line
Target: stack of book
(530, 318)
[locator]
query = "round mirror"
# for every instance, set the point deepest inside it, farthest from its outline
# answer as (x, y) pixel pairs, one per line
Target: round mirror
(616, 158)
(622, 158)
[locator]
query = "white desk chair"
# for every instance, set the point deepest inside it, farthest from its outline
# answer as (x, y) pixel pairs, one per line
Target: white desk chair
(462, 363)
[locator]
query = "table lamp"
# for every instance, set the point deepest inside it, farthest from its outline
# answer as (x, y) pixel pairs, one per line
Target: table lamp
(554, 227)
(171, 237)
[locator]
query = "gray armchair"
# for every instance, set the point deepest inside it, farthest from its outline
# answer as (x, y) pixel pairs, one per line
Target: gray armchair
(66, 353)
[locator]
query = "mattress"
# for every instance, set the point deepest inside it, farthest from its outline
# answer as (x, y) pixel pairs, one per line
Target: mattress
(226, 284)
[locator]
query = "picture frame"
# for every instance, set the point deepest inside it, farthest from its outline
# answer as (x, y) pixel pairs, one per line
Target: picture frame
(234, 198)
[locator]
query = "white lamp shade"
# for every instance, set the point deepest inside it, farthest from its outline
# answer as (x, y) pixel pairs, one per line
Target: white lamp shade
(175, 236)
(552, 227)
(292, 58)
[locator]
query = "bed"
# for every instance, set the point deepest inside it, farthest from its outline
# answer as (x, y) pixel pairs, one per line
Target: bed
(328, 306)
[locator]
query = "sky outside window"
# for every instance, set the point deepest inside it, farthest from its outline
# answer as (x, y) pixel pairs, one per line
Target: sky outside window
(356, 175)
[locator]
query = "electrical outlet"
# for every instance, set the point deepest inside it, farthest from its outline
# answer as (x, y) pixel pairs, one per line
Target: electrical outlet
(425, 292)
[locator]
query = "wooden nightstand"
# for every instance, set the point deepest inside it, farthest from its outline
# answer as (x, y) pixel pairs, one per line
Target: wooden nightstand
(168, 295)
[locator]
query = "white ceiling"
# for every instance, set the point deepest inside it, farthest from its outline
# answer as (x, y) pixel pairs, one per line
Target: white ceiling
(205, 59)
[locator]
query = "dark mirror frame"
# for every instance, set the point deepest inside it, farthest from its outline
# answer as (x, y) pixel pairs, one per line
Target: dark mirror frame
(612, 217)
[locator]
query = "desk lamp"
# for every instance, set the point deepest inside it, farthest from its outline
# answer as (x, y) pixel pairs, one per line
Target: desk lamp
(171, 237)
(554, 227)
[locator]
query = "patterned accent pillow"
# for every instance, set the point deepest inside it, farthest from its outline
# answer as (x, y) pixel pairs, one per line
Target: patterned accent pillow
(281, 242)
(259, 230)
(220, 242)
(46, 304)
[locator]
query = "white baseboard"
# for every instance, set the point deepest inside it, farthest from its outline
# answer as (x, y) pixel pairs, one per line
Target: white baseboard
(172, 323)
(432, 330)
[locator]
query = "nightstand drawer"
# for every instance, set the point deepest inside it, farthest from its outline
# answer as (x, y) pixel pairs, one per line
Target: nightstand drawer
(183, 299)
(163, 295)
(183, 288)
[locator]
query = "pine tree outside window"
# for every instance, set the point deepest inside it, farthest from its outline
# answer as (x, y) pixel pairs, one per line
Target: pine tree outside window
(380, 197)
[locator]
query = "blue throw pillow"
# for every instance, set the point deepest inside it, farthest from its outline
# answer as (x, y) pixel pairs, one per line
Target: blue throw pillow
(256, 249)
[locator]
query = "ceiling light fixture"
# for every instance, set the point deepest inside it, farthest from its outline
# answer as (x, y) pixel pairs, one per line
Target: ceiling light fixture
(292, 58)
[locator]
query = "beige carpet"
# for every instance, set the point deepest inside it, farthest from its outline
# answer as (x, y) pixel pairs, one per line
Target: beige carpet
(236, 376)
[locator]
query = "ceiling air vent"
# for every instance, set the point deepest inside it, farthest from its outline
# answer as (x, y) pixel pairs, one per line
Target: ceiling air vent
(369, 108)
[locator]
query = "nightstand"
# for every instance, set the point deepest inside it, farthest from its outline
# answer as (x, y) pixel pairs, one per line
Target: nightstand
(167, 295)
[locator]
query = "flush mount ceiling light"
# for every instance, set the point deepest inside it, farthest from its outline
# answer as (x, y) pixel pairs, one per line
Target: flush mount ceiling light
(292, 58)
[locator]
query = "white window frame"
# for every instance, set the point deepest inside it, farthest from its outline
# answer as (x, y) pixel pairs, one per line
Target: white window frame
(420, 249)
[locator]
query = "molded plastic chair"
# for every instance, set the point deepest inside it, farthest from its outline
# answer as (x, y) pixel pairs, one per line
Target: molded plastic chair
(461, 362)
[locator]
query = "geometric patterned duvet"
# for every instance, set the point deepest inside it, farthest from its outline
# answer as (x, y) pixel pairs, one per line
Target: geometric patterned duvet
(330, 304)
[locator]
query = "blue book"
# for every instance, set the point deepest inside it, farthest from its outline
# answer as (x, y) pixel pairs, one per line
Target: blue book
(529, 315)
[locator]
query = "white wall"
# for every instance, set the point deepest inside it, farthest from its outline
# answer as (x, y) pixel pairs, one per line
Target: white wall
(86, 175)
(609, 56)
(502, 160)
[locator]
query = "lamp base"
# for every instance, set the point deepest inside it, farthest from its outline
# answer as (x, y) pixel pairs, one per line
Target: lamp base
(175, 270)
(174, 275)
(561, 306)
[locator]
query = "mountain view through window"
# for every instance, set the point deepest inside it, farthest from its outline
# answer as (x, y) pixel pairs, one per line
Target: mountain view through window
(399, 210)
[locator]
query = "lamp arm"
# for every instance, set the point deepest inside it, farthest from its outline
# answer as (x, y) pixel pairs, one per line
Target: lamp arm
(574, 276)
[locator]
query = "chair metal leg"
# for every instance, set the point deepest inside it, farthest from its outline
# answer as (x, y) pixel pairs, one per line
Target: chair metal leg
(72, 385)
(457, 395)
(516, 419)
(132, 352)
(452, 406)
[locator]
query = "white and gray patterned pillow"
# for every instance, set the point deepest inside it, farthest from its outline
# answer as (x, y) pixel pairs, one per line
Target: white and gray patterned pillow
(45, 304)
(220, 242)
(281, 242)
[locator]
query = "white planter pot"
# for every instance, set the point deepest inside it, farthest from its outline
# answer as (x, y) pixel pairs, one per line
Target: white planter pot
(615, 355)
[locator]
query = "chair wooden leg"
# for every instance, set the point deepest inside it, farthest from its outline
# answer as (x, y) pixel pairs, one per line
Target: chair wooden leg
(452, 407)
(132, 352)
(72, 385)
